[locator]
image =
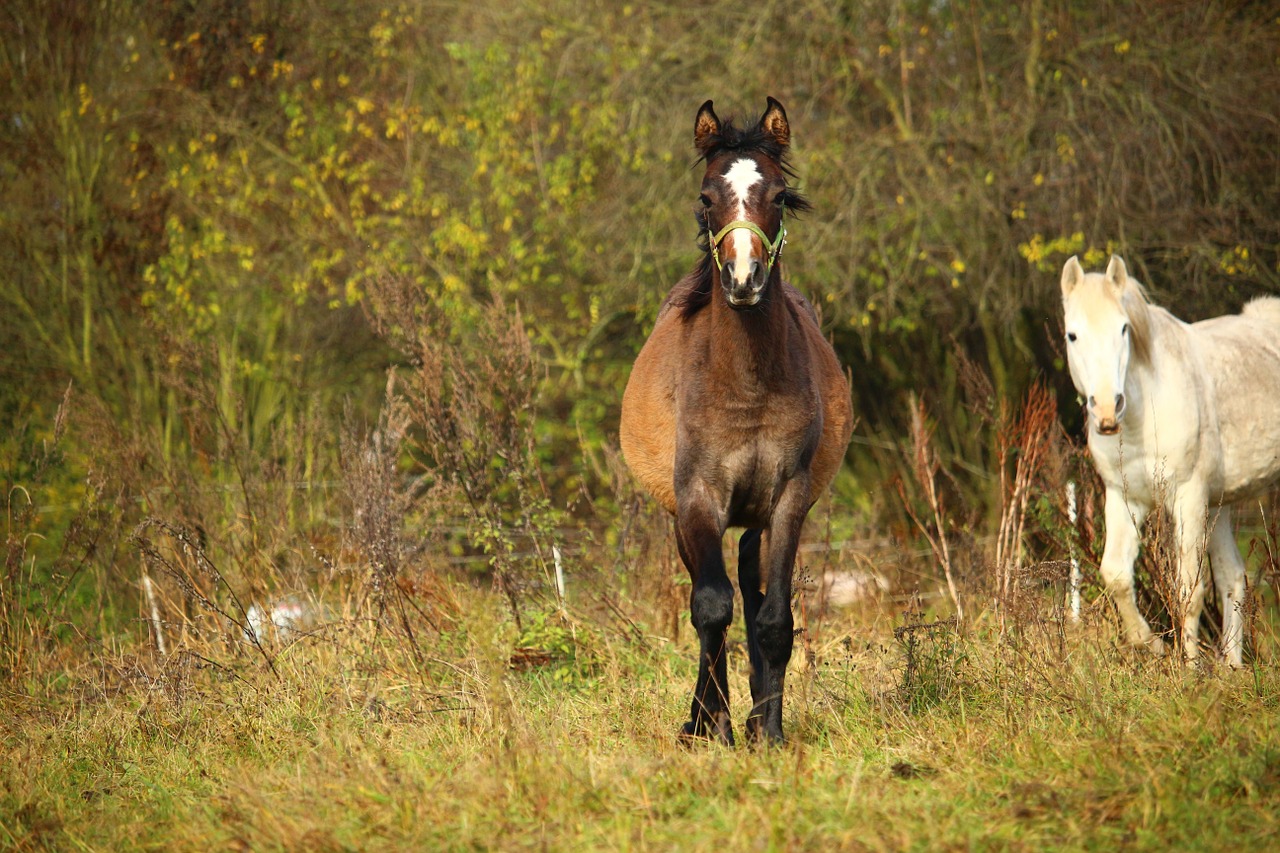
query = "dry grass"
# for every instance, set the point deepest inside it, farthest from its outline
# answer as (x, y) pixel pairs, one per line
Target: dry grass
(352, 746)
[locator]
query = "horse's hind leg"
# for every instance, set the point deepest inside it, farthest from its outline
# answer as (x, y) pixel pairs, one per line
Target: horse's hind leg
(1190, 510)
(711, 608)
(1229, 577)
(752, 598)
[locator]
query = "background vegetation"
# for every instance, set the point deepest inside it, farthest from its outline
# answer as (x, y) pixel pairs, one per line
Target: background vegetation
(325, 309)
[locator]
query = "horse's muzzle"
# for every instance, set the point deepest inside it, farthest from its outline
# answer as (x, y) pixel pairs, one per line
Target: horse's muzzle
(1108, 421)
(743, 294)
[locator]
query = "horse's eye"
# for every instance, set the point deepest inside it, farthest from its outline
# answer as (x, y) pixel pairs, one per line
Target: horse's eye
(780, 199)
(1071, 336)
(1125, 330)
(705, 199)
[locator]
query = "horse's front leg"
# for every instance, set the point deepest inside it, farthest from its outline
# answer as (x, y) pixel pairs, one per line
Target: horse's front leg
(1124, 521)
(1190, 511)
(774, 624)
(698, 535)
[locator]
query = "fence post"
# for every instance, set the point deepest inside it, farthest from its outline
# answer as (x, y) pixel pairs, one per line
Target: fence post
(155, 612)
(1073, 591)
(559, 562)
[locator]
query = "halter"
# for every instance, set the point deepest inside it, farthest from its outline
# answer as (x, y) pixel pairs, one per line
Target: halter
(774, 247)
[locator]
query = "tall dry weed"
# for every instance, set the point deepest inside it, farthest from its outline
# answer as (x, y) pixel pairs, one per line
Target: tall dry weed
(383, 537)
(470, 402)
(925, 466)
(181, 555)
(1025, 442)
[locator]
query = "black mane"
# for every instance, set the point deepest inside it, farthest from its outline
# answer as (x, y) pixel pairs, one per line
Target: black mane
(751, 140)
(693, 292)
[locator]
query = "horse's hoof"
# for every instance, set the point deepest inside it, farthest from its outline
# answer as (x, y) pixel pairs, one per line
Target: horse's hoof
(693, 732)
(759, 734)
(766, 739)
(1156, 646)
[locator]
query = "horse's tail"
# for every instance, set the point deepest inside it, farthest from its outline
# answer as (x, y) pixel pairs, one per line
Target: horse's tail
(1264, 308)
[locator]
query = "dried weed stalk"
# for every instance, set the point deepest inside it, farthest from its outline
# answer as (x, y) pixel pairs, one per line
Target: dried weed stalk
(925, 467)
(933, 656)
(382, 497)
(1023, 442)
(471, 395)
(187, 558)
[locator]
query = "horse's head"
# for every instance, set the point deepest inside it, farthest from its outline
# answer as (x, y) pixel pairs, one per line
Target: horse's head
(1105, 320)
(744, 195)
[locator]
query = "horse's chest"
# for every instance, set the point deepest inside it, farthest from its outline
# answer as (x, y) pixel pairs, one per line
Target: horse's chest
(1148, 465)
(771, 431)
(756, 466)
(746, 453)
(750, 477)
(1122, 466)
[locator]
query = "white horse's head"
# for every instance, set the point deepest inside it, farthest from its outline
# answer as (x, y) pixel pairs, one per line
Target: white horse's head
(1106, 321)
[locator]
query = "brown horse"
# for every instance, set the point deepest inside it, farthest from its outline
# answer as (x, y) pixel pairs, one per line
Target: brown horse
(737, 414)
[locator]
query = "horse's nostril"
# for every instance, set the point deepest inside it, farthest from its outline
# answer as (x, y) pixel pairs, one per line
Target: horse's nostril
(1092, 401)
(1119, 403)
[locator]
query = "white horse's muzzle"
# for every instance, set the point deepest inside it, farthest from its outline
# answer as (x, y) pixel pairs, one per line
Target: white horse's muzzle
(1108, 416)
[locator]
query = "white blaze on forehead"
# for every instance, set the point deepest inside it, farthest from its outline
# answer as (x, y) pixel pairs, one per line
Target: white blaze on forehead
(741, 177)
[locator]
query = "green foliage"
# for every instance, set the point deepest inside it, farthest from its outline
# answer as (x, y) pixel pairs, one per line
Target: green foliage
(214, 192)
(551, 642)
(52, 586)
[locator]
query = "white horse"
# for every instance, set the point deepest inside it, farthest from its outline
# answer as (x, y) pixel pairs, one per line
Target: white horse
(1187, 415)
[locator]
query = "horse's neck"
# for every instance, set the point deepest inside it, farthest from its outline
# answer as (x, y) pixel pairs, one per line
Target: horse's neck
(1164, 371)
(751, 345)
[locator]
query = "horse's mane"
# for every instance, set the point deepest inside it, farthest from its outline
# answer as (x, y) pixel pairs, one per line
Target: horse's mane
(747, 140)
(1141, 311)
(1263, 307)
(693, 292)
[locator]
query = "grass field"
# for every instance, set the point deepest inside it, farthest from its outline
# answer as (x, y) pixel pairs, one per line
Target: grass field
(1036, 737)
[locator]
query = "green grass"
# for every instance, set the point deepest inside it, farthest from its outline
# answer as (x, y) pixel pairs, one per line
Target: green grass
(1038, 744)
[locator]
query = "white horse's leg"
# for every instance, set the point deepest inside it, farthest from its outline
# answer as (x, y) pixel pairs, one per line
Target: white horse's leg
(1124, 520)
(1228, 576)
(1190, 510)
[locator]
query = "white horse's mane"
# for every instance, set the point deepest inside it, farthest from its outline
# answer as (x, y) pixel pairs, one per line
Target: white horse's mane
(1263, 307)
(1140, 310)
(1143, 313)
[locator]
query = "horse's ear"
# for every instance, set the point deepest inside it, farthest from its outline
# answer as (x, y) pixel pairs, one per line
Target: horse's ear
(1117, 275)
(1072, 275)
(706, 127)
(774, 123)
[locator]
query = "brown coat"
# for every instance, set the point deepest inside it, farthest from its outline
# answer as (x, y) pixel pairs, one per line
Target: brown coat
(659, 389)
